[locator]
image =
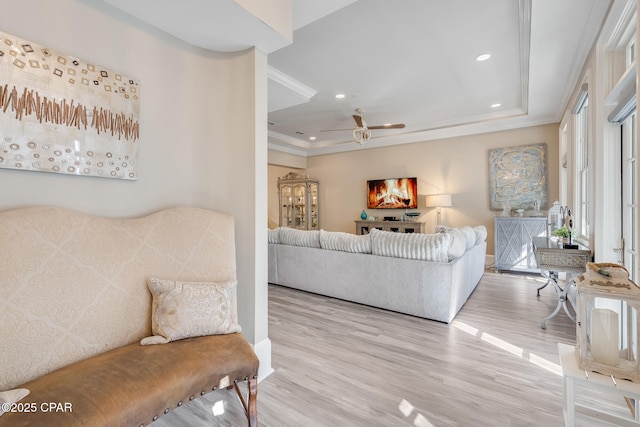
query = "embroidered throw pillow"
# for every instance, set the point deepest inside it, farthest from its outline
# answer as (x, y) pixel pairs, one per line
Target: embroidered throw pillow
(191, 309)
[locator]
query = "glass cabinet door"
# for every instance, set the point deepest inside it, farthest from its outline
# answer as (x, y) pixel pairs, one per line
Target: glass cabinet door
(313, 204)
(300, 191)
(286, 206)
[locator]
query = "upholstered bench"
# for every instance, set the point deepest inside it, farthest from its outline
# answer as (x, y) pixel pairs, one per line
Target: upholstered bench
(80, 298)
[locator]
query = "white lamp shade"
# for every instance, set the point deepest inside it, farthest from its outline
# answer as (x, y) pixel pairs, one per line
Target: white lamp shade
(438, 200)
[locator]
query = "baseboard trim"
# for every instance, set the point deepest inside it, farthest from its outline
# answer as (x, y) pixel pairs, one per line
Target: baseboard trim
(263, 351)
(490, 262)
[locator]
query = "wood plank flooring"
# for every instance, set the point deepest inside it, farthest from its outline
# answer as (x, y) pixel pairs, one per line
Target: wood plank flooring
(343, 364)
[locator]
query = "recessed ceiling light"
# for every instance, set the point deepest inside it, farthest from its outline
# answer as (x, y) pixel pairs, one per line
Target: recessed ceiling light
(495, 105)
(340, 95)
(312, 138)
(483, 57)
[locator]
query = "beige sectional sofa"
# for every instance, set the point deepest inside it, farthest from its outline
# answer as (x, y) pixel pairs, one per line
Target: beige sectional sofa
(425, 275)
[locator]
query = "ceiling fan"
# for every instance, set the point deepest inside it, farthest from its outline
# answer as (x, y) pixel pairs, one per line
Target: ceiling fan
(362, 132)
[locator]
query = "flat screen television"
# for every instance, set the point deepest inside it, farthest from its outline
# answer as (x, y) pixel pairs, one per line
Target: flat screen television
(392, 193)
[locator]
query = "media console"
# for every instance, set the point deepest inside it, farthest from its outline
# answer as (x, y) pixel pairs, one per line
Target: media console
(363, 227)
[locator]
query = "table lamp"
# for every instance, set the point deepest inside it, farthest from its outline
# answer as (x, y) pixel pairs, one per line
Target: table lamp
(438, 201)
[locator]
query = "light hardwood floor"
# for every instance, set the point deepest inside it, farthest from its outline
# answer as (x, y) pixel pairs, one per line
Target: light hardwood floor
(343, 364)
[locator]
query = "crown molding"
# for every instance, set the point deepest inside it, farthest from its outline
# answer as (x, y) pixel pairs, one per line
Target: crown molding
(290, 83)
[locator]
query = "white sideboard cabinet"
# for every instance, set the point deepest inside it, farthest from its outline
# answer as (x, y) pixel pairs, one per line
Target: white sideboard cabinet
(514, 242)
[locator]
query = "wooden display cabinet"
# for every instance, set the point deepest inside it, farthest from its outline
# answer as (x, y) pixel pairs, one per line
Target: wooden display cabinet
(298, 202)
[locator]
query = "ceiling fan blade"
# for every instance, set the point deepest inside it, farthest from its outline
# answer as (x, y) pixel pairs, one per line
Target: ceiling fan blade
(335, 130)
(358, 120)
(395, 126)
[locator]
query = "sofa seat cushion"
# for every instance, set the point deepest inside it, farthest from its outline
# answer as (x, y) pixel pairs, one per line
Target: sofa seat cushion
(131, 385)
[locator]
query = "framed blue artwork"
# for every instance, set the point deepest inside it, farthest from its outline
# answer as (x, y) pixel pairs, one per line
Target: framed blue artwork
(518, 177)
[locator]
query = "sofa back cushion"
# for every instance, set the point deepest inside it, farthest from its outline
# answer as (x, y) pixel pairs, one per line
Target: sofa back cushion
(481, 233)
(472, 235)
(273, 235)
(295, 237)
(427, 247)
(345, 242)
(458, 245)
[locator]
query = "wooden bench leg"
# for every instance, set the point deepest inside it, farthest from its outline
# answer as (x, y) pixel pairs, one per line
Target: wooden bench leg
(251, 404)
(252, 413)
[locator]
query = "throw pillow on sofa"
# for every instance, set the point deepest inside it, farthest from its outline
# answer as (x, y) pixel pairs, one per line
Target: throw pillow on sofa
(427, 247)
(295, 237)
(345, 242)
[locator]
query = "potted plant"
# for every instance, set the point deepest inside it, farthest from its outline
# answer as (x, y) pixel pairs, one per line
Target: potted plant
(562, 232)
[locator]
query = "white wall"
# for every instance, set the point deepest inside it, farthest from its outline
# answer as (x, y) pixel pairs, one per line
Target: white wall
(196, 146)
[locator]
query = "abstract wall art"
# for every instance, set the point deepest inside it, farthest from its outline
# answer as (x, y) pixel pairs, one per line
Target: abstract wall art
(518, 177)
(64, 115)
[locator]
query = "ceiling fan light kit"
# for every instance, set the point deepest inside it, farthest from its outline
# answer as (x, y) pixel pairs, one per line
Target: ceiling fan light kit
(361, 135)
(362, 132)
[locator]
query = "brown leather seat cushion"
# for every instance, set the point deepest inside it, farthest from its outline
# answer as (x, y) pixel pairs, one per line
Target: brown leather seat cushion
(131, 385)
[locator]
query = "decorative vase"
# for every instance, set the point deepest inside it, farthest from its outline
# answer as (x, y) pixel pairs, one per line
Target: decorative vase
(363, 215)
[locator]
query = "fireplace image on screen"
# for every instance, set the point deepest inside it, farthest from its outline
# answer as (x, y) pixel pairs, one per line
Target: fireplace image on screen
(392, 193)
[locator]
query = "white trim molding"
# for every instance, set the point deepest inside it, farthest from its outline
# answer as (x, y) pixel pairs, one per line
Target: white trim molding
(263, 351)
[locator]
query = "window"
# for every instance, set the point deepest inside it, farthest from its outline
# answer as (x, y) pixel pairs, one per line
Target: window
(629, 203)
(582, 171)
(631, 51)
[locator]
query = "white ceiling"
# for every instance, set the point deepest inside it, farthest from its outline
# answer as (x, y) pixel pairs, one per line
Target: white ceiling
(409, 62)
